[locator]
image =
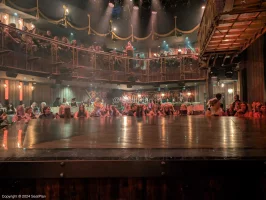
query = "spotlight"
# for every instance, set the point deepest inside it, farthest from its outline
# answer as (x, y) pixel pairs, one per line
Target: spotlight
(5, 17)
(203, 7)
(16, 14)
(32, 26)
(154, 12)
(139, 95)
(71, 34)
(179, 50)
(163, 94)
(222, 85)
(189, 93)
(114, 28)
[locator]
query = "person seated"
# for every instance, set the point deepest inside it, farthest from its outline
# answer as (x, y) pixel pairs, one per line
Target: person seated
(65, 103)
(183, 109)
(152, 112)
(114, 112)
(257, 110)
(65, 113)
(133, 110)
(73, 103)
(217, 97)
(35, 108)
(215, 109)
(29, 113)
(57, 102)
(230, 111)
(82, 112)
(20, 115)
(97, 107)
(10, 110)
(47, 114)
(43, 104)
(243, 111)
(167, 111)
(139, 112)
(263, 111)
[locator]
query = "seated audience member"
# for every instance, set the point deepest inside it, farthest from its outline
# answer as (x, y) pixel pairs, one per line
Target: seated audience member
(114, 112)
(133, 110)
(215, 109)
(217, 97)
(139, 112)
(29, 113)
(257, 110)
(47, 114)
(57, 102)
(73, 103)
(35, 108)
(243, 111)
(65, 103)
(126, 109)
(263, 111)
(43, 104)
(167, 110)
(230, 111)
(152, 112)
(183, 109)
(20, 115)
(97, 107)
(67, 113)
(61, 112)
(82, 112)
(10, 110)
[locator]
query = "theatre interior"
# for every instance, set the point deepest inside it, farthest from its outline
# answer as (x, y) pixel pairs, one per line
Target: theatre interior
(133, 99)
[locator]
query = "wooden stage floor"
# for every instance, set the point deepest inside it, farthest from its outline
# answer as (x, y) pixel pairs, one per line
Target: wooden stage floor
(132, 138)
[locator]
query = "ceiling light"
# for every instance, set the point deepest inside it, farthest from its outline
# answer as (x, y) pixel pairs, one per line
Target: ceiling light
(114, 28)
(230, 90)
(16, 14)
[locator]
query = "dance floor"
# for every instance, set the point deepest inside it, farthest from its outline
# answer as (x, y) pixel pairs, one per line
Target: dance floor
(131, 138)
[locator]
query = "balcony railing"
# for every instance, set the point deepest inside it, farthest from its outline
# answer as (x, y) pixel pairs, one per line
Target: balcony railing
(25, 52)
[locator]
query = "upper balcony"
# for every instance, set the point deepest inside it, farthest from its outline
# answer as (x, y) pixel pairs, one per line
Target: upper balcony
(230, 26)
(29, 53)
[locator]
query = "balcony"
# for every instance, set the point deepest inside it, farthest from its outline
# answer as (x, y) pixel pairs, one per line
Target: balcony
(27, 53)
(229, 27)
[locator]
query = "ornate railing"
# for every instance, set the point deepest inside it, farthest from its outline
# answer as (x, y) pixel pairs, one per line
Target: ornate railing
(27, 53)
